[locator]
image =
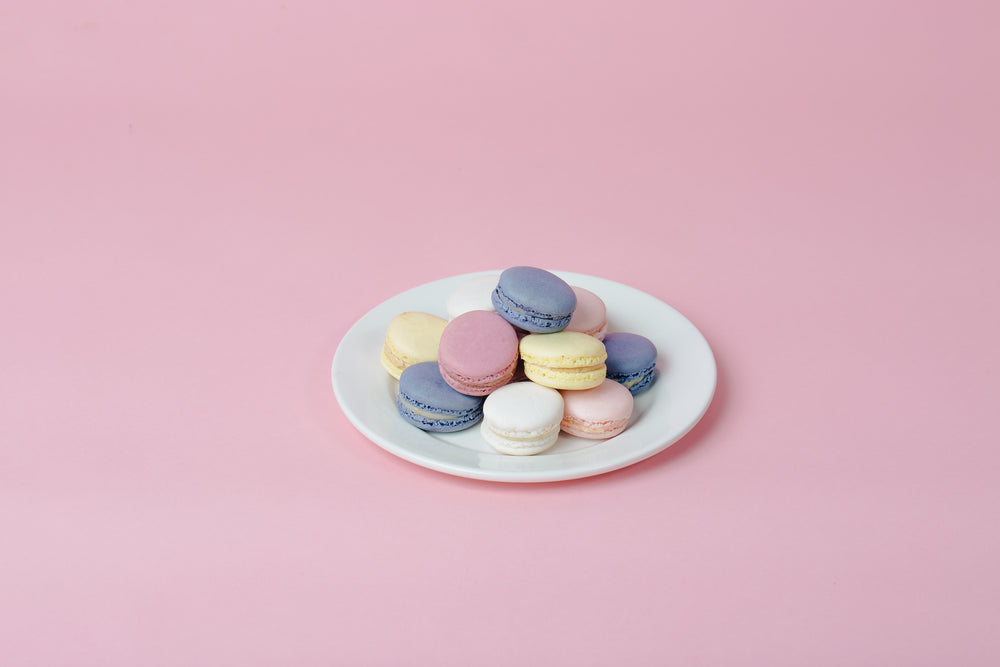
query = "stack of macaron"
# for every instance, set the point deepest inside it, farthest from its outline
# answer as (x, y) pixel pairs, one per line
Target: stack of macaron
(523, 352)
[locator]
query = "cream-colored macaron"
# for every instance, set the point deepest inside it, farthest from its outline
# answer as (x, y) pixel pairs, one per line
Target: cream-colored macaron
(564, 360)
(411, 338)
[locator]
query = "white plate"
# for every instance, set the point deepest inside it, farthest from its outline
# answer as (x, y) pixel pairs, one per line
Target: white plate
(679, 396)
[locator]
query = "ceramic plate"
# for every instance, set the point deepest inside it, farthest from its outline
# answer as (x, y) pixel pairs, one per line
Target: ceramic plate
(680, 394)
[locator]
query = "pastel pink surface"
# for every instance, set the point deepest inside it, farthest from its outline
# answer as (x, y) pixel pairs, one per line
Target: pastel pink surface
(590, 316)
(601, 412)
(478, 352)
(197, 200)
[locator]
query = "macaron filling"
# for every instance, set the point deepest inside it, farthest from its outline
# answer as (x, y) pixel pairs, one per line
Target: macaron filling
(564, 360)
(522, 419)
(631, 360)
(597, 332)
(528, 318)
(586, 428)
(426, 401)
(565, 378)
(598, 413)
(534, 299)
(411, 338)
(478, 385)
(520, 442)
(392, 359)
(437, 419)
(635, 382)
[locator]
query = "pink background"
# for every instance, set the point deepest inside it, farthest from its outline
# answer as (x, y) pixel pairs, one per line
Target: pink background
(198, 199)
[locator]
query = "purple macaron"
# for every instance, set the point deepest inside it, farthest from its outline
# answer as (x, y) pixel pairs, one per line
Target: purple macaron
(631, 360)
(425, 400)
(534, 300)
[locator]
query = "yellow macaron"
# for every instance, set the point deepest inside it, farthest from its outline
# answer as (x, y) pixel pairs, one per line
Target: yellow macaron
(564, 360)
(411, 338)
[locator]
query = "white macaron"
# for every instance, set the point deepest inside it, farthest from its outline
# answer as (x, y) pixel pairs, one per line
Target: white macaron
(522, 418)
(473, 294)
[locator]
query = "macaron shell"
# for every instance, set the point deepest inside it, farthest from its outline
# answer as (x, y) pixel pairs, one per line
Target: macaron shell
(411, 338)
(590, 315)
(479, 385)
(631, 360)
(564, 360)
(478, 352)
(431, 421)
(534, 299)
(519, 374)
(598, 413)
(565, 349)
(522, 418)
(423, 382)
(561, 378)
(517, 446)
(639, 382)
(425, 400)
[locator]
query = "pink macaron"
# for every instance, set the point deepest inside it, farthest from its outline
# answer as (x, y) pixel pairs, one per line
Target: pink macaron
(590, 316)
(598, 413)
(478, 352)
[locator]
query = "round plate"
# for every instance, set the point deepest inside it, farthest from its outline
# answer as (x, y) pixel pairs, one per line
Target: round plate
(680, 394)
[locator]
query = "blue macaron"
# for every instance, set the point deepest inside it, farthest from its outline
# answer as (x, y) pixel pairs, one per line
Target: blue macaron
(534, 300)
(429, 403)
(631, 360)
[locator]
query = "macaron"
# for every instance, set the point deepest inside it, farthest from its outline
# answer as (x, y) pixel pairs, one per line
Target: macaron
(411, 338)
(473, 294)
(631, 360)
(598, 413)
(590, 315)
(478, 352)
(519, 375)
(564, 360)
(534, 299)
(425, 400)
(522, 418)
